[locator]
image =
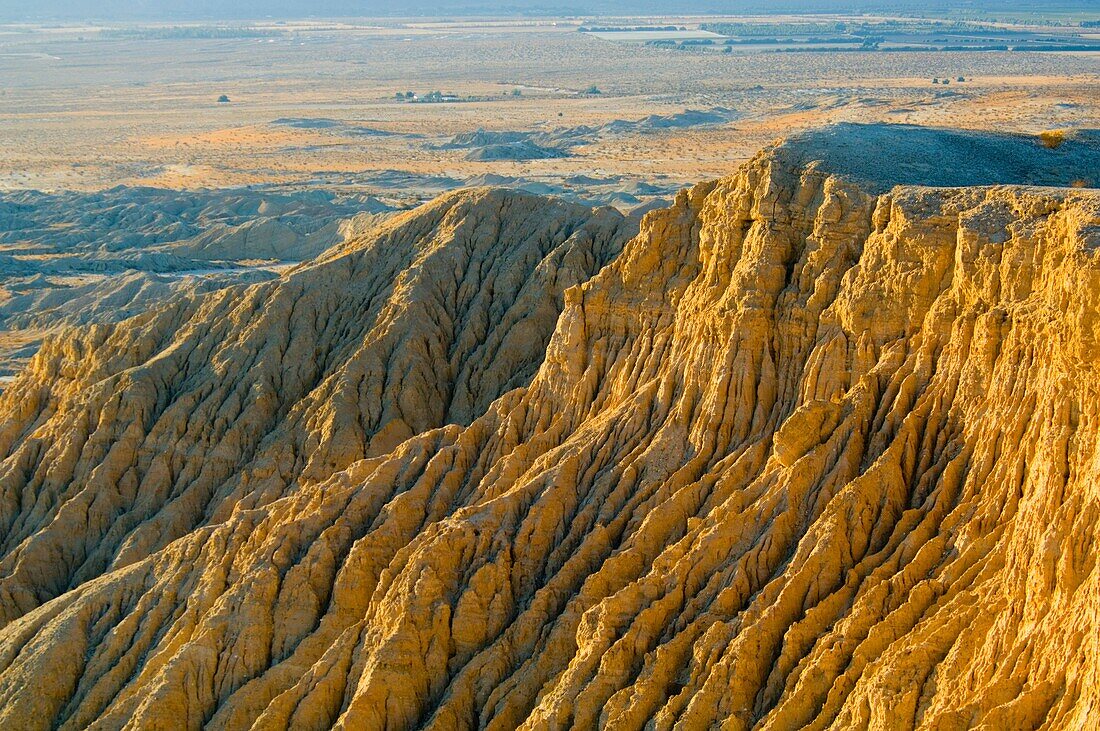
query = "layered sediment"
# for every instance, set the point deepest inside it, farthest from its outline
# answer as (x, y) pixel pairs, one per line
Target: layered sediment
(810, 452)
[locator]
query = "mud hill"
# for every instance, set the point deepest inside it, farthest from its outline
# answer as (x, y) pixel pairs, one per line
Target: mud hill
(515, 151)
(558, 142)
(810, 451)
(40, 303)
(112, 229)
(81, 258)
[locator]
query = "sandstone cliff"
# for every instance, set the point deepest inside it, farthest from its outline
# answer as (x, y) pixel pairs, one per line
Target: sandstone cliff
(810, 452)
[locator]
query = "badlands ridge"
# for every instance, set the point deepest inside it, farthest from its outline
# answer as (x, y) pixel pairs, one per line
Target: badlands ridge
(817, 446)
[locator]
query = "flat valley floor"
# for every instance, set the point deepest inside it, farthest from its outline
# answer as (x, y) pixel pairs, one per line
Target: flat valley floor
(316, 104)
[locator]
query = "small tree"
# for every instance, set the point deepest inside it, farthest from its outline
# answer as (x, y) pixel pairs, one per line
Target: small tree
(223, 99)
(517, 92)
(593, 90)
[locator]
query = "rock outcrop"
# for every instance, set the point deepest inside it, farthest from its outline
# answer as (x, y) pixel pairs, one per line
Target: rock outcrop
(805, 454)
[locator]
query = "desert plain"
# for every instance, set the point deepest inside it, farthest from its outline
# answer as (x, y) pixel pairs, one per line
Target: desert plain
(315, 102)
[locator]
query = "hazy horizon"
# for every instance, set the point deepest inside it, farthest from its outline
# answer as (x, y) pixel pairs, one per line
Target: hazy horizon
(214, 10)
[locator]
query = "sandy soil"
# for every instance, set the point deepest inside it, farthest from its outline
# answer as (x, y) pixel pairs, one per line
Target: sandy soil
(82, 112)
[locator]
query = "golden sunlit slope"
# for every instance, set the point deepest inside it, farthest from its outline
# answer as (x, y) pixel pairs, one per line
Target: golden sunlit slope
(802, 455)
(129, 437)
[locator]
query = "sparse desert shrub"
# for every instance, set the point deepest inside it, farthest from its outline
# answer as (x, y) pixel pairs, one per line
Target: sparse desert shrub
(1052, 139)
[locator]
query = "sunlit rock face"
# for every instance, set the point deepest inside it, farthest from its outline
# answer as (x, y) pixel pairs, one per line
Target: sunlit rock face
(806, 451)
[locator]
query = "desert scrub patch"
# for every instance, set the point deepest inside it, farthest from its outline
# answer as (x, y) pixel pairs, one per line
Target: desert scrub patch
(1052, 139)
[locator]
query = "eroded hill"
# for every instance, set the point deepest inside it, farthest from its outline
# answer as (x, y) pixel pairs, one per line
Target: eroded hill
(809, 452)
(82, 258)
